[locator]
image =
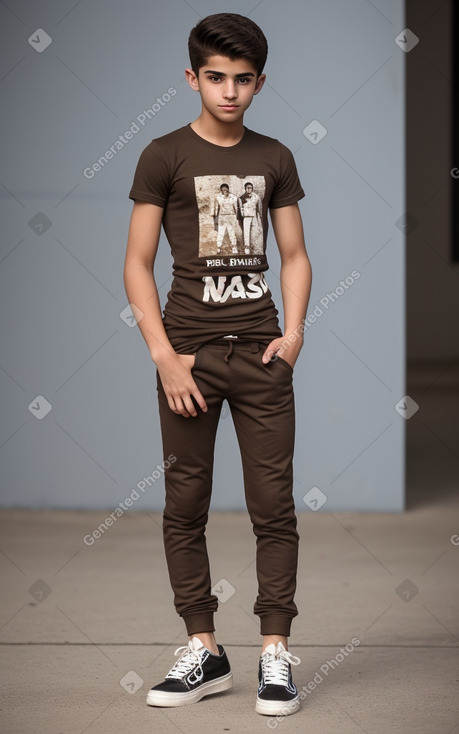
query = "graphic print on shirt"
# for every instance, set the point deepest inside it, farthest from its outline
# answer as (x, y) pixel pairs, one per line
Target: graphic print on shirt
(230, 217)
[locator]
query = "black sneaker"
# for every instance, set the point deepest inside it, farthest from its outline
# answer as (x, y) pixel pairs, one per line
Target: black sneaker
(197, 673)
(277, 694)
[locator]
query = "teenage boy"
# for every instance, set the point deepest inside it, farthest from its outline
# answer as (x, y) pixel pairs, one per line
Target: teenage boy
(225, 212)
(219, 338)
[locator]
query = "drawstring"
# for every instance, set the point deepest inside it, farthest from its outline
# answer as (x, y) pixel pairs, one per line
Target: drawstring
(230, 350)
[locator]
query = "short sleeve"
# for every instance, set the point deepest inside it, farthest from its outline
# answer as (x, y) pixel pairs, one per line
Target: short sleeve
(152, 177)
(288, 189)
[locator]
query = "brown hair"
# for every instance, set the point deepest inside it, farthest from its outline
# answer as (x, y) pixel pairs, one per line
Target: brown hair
(227, 34)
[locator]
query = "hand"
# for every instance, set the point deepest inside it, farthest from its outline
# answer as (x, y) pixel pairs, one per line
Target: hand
(179, 385)
(289, 351)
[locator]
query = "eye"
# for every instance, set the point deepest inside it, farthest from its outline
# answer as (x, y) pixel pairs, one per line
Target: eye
(244, 80)
(215, 78)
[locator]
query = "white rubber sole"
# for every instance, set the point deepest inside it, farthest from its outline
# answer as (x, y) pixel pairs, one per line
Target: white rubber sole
(277, 708)
(163, 698)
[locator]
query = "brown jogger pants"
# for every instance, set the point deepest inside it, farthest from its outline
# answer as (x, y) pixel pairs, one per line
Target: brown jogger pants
(261, 400)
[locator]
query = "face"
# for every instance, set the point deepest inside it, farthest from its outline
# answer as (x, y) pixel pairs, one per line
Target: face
(225, 191)
(226, 87)
(249, 189)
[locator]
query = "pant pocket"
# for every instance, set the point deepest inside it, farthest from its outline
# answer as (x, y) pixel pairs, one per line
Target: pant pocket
(284, 362)
(197, 355)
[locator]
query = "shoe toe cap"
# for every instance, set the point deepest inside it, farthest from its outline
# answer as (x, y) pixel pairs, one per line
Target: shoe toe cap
(276, 693)
(171, 686)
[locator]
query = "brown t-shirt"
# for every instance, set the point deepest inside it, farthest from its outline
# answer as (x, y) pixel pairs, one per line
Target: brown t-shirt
(216, 202)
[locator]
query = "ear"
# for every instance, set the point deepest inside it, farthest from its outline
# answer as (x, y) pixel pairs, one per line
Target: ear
(260, 81)
(192, 79)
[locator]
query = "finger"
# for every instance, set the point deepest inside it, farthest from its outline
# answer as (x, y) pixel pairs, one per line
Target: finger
(268, 356)
(270, 351)
(188, 407)
(199, 397)
(172, 405)
(176, 404)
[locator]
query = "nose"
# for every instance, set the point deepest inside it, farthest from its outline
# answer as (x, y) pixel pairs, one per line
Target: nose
(230, 91)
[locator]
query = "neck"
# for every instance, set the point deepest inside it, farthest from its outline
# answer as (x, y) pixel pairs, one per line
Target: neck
(218, 132)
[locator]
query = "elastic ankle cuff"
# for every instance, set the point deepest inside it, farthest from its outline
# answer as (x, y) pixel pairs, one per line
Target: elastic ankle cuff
(200, 622)
(273, 624)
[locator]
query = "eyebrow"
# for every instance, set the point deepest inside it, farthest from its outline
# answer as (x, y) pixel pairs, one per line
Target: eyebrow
(220, 73)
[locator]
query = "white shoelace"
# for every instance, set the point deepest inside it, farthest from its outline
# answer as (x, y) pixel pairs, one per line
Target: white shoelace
(275, 666)
(189, 658)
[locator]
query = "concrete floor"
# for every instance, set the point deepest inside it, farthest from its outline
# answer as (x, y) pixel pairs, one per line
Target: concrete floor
(86, 631)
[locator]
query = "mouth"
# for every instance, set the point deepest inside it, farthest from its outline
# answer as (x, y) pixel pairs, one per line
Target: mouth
(229, 106)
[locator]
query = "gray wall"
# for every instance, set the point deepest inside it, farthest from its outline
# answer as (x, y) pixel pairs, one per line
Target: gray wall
(65, 236)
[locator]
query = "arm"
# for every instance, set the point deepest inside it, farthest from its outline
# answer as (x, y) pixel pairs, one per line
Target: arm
(174, 369)
(296, 277)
